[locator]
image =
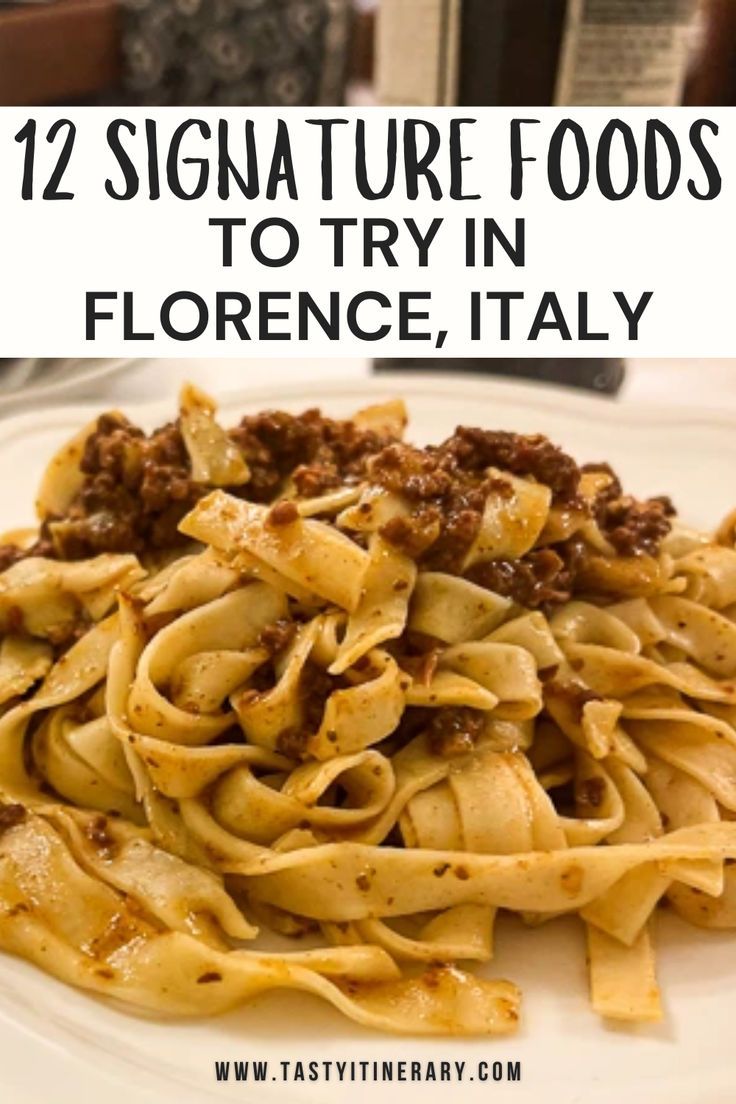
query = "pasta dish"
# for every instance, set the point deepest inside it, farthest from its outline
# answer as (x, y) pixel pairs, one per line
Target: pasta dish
(300, 676)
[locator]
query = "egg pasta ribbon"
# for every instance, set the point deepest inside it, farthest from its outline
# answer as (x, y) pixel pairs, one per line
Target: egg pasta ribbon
(299, 676)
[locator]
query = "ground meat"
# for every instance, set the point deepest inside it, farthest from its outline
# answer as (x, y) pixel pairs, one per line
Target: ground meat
(313, 480)
(277, 636)
(411, 472)
(10, 554)
(447, 505)
(591, 792)
(464, 459)
(448, 486)
(314, 689)
(636, 528)
(283, 513)
(316, 686)
(99, 836)
(10, 815)
(136, 490)
(461, 525)
(415, 534)
(535, 456)
(668, 507)
(613, 489)
(545, 577)
(454, 731)
(439, 536)
(292, 742)
(318, 453)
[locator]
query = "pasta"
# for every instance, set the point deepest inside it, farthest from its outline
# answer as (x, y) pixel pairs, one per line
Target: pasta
(301, 676)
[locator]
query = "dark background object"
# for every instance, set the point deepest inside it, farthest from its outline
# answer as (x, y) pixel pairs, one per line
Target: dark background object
(522, 40)
(63, 52)
(603, 376)
(521, 47)
(712, 78)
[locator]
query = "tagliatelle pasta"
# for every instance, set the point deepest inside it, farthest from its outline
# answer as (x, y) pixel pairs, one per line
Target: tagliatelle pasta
(298, 675)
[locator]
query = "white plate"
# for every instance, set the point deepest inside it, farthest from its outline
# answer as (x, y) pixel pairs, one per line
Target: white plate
(46, 380)
(58, 1045)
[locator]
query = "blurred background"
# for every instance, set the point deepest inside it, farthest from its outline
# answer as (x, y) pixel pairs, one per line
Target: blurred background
(424, 52)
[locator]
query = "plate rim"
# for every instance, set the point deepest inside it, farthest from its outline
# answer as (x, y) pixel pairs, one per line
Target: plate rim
(539, 395)
(24, 397)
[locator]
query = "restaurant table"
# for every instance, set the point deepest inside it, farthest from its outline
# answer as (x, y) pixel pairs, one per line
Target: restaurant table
(62, 52)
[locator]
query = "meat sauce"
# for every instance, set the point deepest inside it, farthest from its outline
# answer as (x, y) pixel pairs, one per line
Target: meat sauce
(448, 486)
(317, 453)
(136, 488)
(454, 730)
